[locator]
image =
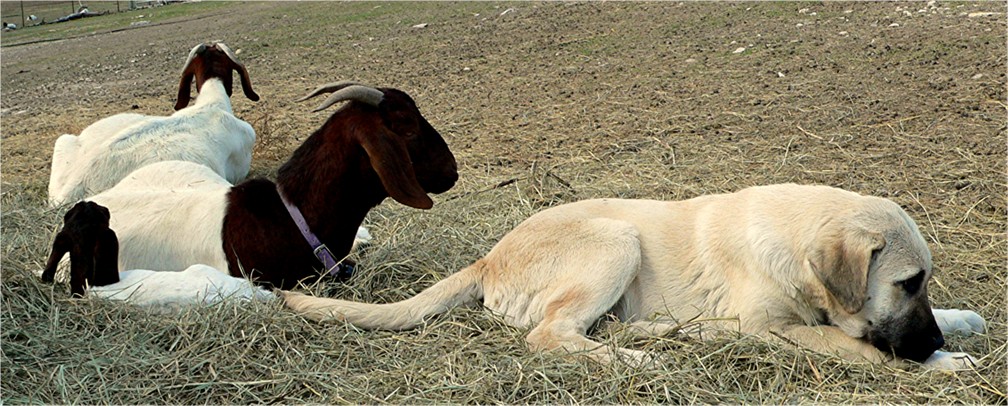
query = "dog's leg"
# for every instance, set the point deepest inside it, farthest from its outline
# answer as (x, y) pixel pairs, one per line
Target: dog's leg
(655, 328)
(959, 322)
(592, 267)
(695, 328)
(832, 340)
(565, 330)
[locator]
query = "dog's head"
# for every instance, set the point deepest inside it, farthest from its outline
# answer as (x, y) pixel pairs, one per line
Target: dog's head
(875, 265)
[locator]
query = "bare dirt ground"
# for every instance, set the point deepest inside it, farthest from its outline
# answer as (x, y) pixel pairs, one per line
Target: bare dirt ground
(559, 102)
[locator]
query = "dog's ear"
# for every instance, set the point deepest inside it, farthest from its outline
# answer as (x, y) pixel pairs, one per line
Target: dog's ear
(841, 262)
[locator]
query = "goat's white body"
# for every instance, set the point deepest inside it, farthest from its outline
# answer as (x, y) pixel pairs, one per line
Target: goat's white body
(197, 284)
(207, 133)
(170, 215)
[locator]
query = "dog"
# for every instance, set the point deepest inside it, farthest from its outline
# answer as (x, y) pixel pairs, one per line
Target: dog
(827, 269)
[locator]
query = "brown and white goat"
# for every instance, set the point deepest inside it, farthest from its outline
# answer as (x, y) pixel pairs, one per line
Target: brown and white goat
(170, 215)
(207, 133)
(93, 248)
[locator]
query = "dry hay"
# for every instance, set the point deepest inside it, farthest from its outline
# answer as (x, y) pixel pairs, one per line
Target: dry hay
(89, 351)
(546, 104)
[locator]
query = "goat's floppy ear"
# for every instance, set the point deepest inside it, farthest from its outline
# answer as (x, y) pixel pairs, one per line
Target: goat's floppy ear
(391, 161)
(242, 73)
(842, 261)
(246, 83)
(188, 71)
(106, 258)
(184, 88)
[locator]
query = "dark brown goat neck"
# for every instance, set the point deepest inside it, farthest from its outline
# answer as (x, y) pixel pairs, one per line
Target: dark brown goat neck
(330, 180)
(329, 177)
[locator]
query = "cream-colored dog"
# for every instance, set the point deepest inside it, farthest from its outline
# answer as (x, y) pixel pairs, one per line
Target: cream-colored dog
(825, 268)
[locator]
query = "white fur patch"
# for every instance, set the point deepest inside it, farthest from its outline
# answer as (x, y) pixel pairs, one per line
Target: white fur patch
(362, 238)
(198, 284)
(168, 216)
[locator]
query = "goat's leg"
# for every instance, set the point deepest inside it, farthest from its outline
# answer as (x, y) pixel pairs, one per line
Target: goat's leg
(61, 245)
(81, 265)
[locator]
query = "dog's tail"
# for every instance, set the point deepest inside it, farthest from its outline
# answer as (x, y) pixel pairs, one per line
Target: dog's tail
(462, 288)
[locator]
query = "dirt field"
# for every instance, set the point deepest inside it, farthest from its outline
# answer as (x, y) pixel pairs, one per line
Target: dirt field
(560, 102)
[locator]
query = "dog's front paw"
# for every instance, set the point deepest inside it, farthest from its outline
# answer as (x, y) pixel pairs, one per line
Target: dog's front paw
(960, 322)
(951, 361)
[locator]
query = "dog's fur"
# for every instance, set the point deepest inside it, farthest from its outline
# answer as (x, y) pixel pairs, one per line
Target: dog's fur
(828, 269)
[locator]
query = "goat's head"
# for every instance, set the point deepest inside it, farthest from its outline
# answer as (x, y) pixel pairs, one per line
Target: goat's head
(212, 61)
(408, 154)
(86, 216)
(93, 248)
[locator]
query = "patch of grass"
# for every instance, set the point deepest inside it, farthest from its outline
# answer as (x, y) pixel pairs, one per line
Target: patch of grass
(596, 45)
(111, 21)
(366, 12)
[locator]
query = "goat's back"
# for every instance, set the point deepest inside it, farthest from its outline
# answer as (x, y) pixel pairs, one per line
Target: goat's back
(168, 216)
(108, 150)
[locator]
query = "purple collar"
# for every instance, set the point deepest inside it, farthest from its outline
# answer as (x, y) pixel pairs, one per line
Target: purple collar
(321, 251)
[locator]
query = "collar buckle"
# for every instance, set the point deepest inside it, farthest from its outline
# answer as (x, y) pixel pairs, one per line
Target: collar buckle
(326, 258)
(332, 266)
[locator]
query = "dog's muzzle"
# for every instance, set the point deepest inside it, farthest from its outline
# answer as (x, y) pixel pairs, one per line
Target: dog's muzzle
(912, 338)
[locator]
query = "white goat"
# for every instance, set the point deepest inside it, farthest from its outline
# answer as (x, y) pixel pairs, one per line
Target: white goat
(207, 133)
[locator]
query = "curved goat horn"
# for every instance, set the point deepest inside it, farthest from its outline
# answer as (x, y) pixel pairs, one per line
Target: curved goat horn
(242, 72)
(328, 88)
(227, 51)
(346, 90)
(192, 55)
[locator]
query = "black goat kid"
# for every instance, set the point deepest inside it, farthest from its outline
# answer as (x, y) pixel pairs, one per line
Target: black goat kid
(93, 248)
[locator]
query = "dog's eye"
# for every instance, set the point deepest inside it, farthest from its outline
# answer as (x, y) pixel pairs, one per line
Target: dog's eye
(912, 285)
